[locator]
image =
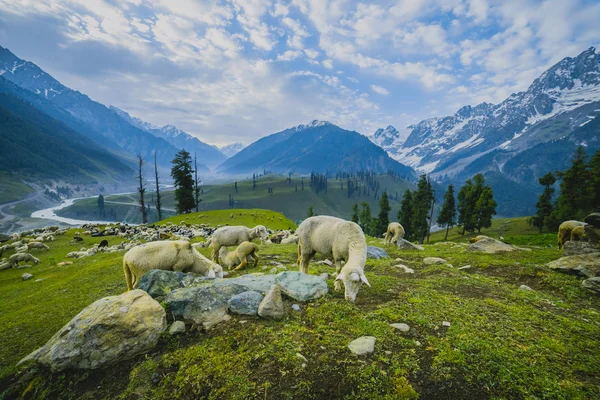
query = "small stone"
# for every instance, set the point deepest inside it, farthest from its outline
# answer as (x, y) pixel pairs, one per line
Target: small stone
(26, 276)
(41, 279)
(402, 327)
(363, 345)
(525, 287)
(295, 307)
(177, 327)
(405, 269)
(446, 324)
(273, 271)
(466, 267)
(417, 343)
(300, 356)
(376, 252)
(324, 276)
(434, 261)
(388, 353)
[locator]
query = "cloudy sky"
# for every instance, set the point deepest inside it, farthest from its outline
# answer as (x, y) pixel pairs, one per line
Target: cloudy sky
(229, 71)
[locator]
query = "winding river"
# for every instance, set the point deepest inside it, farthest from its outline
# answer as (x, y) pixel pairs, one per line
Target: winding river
(50, 213)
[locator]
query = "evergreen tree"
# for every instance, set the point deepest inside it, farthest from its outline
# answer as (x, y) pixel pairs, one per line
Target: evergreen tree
(595, 180)
(404, 216)
(383, 219)
(355, 213)
(365, 218)
(181, 172)
(421, 202)
(485, 208)
(466, 206)
(142, 189)
(575, 200)
(197, 185)
(544, 203)
(447, 215)
(310, 212)
(158, 204)
(100, 205)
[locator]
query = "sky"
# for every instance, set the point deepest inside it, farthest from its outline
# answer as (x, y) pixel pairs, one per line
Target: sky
(234, 71)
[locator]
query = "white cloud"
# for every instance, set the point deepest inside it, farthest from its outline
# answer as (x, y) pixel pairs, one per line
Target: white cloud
(289, 55)
(327, 64)
(380, 90)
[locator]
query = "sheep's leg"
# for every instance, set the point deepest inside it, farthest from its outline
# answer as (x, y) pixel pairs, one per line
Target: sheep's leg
(242, 264)
(215, 254)
(255, 259)
(337, 285)
(387, 238)
(305, 261)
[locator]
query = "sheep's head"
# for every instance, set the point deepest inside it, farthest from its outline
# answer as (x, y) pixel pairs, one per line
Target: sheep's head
(261, 232)
(352, 283)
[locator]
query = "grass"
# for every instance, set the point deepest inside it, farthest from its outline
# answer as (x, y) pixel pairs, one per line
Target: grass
(503, 342)
(246, 217)
(12, 189)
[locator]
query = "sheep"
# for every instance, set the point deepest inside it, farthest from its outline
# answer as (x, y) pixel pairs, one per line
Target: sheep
(176, 255)
(15, 236)
(15, 259)
(239, 257)
(5, 265)
(103, 243)
(38, 245)
(233, 236)
(292, 239)
(395, 231)
(22, 249)
(564, 231)
(340, 239)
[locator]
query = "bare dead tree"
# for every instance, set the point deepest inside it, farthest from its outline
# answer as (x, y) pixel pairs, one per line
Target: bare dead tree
(196, 183)
(141, 188)
(157, 189)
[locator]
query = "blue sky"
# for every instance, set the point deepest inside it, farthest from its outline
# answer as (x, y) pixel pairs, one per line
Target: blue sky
(229, 71)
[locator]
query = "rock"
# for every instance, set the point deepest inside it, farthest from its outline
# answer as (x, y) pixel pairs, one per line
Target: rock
(363, 345)
(405, 268)
(573, 248)
(402, 327)
(376, 252)
(273, 271)
(295, 307)
(63, 263)
(40, 280)
(272, 305)
(301, 287)
(466, 267)
(256, 282)
(593, 219)
(491, 246)
(245, 303)
(592, 284)
(406, 245)
(324, 262)
(446, 324)
(106, 332)
(300, 356)
(525, 287)
(159, 283)
(324, 276)
(26, 276)
(587, 265)
(177, 327)
(434, 261)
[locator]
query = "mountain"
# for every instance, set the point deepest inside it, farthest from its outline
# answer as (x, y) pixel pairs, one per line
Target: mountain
(104, 125)
(232, 149)
(389, 138)
(207, 154)
(35, 146)
(315, 147)
(486, 137)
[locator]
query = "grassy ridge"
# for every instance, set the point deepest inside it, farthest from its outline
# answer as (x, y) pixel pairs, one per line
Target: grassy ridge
(246, 217)
(12, 190)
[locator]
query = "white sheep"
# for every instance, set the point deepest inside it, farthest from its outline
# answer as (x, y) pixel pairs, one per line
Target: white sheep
(394, 232)
(15, 236)
(15, 259)
(340, 239)
(5, 264)
(22, 249)
(176, 255)
(233, 236)
(38, 245)
(292, 239)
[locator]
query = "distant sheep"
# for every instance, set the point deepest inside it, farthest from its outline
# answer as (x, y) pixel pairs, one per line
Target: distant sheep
(239, 257)
(38, 245)
(176, 255)
(233, 236)
(395, 232)
(564, 231)
(5, 264)
(340, 239)
(15, 259)
(103, 243)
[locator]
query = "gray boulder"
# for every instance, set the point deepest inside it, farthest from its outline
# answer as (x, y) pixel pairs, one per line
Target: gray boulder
(257, 283)
(573, 248)
(300, 286)
(245, 303)
(586, 265)
(593, 219)
(491, 246)
(272, 305)
(26, 276)
(592, 284)
(376, 252)
(108, 331)
(406, 245)
(158, 283)
(433, 261)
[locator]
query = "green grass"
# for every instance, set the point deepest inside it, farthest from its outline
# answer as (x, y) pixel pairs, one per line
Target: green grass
(503, 342)
(246, 217)
(12, 189)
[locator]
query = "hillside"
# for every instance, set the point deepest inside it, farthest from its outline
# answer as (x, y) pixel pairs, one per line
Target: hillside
(501, 342)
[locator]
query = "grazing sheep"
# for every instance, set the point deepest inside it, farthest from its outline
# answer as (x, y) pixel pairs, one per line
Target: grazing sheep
(176, 255)
(564, 231)
(233, 236)
(239, 257)
(340, 239)
(15, 259)
(15, 236)
(103, 243)
(38, 245)
(5, 265)
(292, 239)
(395, 231)
(22, 249)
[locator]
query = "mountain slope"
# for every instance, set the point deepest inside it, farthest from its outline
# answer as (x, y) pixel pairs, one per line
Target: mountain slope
(318, 146)
(232, 149)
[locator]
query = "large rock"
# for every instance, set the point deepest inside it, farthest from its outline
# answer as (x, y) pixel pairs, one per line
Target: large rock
(491, 246)
(159, 283)
(108, 331)
(272, 305)
(433, 261)
(406, 245)
(204, 305)
(363, 345)
(592, 284)
(258, 283)
(301, 287)
(573, 248)
(587, 265)
(593, 219)
(245, 303)
(376, 252)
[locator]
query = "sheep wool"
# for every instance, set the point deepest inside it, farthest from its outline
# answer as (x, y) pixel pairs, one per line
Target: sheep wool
(565, 229)
(239, 257)
(15, 259)
(395, 231)
(234, 236)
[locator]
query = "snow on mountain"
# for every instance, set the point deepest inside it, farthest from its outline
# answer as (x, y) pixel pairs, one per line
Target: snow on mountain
(232, 149)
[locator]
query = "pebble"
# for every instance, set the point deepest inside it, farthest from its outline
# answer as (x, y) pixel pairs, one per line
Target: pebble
(405, 268)
(41, 279)
(300, 356)
(525, 287)
(324, 276)
(177, 327)
(295, 307)
(363, 345)
(402, 327)
(466, 267)
(26, 276)
(417, 343)
(446, 323)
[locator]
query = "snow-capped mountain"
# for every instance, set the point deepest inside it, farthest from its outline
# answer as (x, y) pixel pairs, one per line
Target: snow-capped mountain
(232, 149)
(207, 154)
(562, 99)
(390, 138)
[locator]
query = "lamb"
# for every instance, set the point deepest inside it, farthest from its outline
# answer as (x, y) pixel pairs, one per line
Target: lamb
(233, 236)
(395, 231)
(176, 255)
(103, 243)
(38, 245)
(15, 259)
(239, 257)
(340, 239)
(564, 231)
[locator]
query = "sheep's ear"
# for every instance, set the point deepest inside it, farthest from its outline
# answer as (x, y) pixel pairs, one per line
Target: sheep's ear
(355, 277)
(364, 279)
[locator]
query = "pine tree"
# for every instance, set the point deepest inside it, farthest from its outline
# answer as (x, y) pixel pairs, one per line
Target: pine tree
(197, 185)
(383, 218)
(544, 203)
(447, 215)
(310, 212)
(365, 218)
(575, 200)
(181, 172)
(421, 202)
(141, 188)
(101, 205)
(158, 204)
(355, 213)
(594, 168)
(404, 216)
(485, 208)
(465, 206)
